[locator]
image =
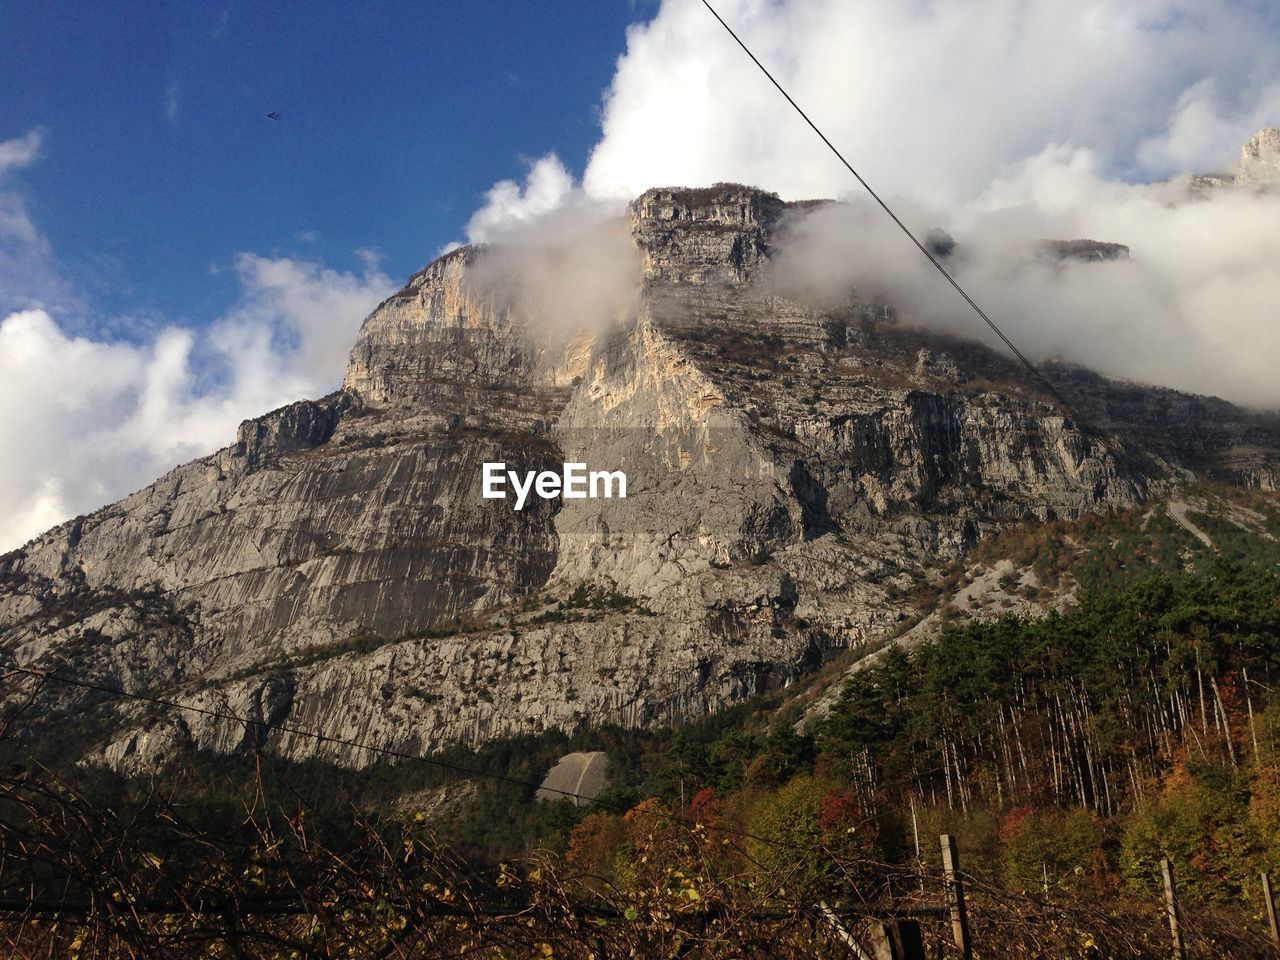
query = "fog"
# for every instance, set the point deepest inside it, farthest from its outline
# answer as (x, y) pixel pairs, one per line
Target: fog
(570, 270)
(1005, 123)
(1192, 307)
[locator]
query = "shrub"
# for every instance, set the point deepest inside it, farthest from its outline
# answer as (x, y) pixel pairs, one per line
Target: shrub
(1200, 821)
(1046, 850)
(813, 833)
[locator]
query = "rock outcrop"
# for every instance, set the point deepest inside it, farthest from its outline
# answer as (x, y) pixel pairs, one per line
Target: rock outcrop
(1258, 169)
(1084, 250)
(789, 468)
(1260, 158)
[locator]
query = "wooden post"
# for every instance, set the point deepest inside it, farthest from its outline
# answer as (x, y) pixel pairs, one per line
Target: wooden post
(893, 939)
(843, 933)
(955, 896)
(1171, 909)
(1271, 907)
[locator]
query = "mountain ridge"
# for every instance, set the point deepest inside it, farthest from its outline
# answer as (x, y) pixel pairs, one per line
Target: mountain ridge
(791, 466)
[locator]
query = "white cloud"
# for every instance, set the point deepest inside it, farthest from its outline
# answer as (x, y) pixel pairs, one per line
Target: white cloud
(28, 276)
(220, 28)
(563, 258)
(20, 151)
(1203, 134)
(94, 420)
(508, 205)
(931, 101)
(16, 228)
(1192, 308)
(295, 324)
(1007, 122)
(17, 233)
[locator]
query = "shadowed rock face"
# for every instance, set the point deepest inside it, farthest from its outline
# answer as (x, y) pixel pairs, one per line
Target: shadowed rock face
(1085, 250)
(338, 569)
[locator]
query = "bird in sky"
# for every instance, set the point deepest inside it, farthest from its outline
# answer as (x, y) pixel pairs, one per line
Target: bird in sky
(273, 115)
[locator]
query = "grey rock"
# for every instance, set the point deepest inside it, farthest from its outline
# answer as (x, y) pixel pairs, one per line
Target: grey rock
(789, 467)
(578, 777)
(1085, 250)
(1260, 158)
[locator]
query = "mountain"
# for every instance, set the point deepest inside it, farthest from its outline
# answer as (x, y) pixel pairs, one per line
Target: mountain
(792, 471)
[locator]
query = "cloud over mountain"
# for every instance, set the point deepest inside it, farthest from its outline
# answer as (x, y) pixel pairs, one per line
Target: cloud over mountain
(91, 418)
(934, 101)
(1007, 123)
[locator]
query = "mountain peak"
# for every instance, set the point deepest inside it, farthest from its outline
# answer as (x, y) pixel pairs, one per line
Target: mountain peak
(704, 234)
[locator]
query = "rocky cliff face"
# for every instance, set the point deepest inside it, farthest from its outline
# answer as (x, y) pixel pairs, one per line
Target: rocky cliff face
(1260, 158)
(788, 467)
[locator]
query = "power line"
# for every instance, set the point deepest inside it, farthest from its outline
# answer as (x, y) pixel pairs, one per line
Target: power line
(474, 773)
(937, 264)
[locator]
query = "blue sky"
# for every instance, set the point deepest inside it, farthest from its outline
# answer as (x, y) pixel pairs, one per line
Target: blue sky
(158, 161)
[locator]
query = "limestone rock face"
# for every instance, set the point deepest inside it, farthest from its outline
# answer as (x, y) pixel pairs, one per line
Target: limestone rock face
(1260, 158)
(437, 340)
(720, 233)
(789, 468)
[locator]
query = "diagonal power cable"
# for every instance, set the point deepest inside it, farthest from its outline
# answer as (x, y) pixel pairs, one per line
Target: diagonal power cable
(924, 250)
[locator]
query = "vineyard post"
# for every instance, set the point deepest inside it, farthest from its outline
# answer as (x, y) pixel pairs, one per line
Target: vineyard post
(1270, 900)
(1171, 909)
(955, 896)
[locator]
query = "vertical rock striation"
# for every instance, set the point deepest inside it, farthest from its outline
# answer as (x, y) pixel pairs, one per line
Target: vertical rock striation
(787, 467)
